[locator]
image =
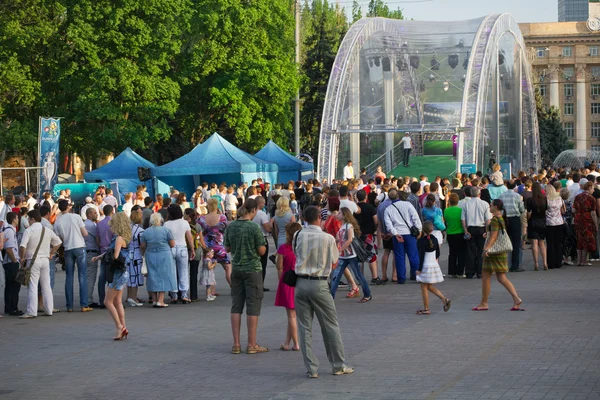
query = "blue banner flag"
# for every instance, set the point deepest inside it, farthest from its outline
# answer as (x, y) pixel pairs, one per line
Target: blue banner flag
(49, 141)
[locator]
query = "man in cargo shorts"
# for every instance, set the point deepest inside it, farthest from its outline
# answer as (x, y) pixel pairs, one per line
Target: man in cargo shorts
(246, 243)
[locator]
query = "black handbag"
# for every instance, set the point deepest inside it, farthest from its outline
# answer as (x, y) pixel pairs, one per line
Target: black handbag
(360, 249)
(414, 231)
(290, 277)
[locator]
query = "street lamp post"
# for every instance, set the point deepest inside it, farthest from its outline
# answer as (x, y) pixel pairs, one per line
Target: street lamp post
(297, 100)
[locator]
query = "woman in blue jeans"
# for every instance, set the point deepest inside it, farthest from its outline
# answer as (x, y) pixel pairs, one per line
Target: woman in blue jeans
(347, 255)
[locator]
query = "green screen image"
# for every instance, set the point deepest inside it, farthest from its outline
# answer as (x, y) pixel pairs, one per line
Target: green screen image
(437, 148)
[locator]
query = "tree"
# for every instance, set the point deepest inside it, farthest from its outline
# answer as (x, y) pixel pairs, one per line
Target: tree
(238, 74)
(328, 28)
(553, 139)
(356, 11)
(26, 27)
(379, 8)
(113, 84)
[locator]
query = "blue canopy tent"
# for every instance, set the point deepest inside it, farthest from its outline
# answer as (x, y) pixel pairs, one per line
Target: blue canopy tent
(216, 160)
(124, 171)
(290, 168)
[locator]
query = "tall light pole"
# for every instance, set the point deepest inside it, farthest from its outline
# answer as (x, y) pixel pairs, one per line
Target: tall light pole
(297, 100)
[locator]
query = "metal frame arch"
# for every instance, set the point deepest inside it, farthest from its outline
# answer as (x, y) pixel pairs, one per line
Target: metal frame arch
(345, 59)
(486, 45)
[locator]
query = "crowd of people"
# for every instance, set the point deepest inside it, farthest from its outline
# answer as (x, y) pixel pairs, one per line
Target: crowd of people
(324, 233)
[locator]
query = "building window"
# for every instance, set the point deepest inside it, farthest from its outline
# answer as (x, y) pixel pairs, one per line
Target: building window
(595, 89)
(595, 108)
(543, 90)
(595, 129)
(568, 89)
(569, 129)
(595, 71)
(569, 108)
(568, 73)
(567, 51)
(593, 51)
(595, 147)
(541, 52)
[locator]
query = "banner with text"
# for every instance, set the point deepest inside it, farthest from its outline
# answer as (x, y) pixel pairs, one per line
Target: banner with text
(49, 141)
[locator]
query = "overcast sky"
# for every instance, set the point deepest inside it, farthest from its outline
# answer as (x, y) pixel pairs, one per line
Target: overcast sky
(456, 10)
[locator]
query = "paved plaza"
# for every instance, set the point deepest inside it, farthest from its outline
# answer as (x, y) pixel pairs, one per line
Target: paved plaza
(551, 351)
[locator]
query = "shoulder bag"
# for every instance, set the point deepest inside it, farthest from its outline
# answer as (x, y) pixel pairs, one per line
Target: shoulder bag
(359, 247)
(502, 244)
(24, 272)
(290, 277)
(414, 231)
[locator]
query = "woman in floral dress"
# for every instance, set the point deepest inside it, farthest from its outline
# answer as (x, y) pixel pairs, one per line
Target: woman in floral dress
(213, 226)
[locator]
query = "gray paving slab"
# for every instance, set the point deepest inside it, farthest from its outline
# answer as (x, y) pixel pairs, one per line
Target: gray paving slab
(551, 351)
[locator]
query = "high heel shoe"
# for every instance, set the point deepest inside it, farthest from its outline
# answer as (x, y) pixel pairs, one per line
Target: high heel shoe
(535, 268)
(123, 335)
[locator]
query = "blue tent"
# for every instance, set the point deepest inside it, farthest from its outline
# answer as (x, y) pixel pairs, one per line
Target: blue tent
(290, 168)
(123, 170)
(216, 160)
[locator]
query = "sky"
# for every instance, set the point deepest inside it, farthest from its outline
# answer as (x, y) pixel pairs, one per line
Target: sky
(456, 10)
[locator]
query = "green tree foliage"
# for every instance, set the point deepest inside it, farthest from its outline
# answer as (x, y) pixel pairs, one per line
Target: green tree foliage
(553, 139)
(356, 11)
(26, 27)
(328, 27)
(238, 74)
(379, 8)
(115, 87)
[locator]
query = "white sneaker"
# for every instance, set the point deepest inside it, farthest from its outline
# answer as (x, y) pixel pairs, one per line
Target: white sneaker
(211, 298)
(134, 303)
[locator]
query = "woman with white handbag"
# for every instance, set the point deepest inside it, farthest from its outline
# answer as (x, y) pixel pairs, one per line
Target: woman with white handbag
(495, 258)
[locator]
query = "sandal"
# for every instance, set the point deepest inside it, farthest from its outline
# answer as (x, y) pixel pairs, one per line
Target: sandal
(447, 305)
(185, 301)
(365, 299)
(353, 293)
(535, 268)
(423, 312)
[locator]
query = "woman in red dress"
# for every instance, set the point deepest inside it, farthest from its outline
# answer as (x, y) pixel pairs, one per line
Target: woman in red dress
(286, 261)
(584, 208)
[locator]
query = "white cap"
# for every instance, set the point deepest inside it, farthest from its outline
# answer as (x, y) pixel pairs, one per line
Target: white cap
(88, 199)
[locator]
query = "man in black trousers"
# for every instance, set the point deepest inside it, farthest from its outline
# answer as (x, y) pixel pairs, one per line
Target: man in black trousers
(10, 263)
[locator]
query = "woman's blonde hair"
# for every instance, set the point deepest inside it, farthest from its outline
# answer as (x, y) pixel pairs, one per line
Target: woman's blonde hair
(349, 219)
(120, 226)
(551, 193)
(283, 207)
(212, 205)
(496, 167)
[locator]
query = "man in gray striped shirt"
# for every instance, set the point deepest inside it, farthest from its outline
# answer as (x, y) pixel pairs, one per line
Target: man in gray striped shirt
(316, 252)
(514, 207)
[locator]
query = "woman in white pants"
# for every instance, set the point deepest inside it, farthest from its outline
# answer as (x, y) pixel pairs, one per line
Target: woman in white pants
(45, 247)
(183, 251)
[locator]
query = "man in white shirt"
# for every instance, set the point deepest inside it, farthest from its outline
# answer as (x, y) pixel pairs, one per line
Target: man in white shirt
(349, 171)
(31, 201)
(128, 204)
(71, 230)
(40, 267)
(11, 266)
(423, 182)
(110, 199)
(266, 226)
(9, 202)
(89, 203)
(475, 217)
(575, 188)
(407, 146)
(399, 217)
(316, 252)
(347, 203)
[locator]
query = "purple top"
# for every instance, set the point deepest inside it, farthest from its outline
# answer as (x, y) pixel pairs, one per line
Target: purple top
(104, 233)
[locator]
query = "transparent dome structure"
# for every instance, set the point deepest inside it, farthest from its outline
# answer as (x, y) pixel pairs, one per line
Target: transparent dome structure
(468, 81)
(575, 159)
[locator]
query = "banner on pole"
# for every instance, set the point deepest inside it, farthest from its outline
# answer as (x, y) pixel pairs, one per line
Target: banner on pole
(49, 141)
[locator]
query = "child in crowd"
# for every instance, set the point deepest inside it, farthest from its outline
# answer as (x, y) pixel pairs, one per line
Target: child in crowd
(496, 177)
(207, 275)
(429, 271)
(294, 205)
